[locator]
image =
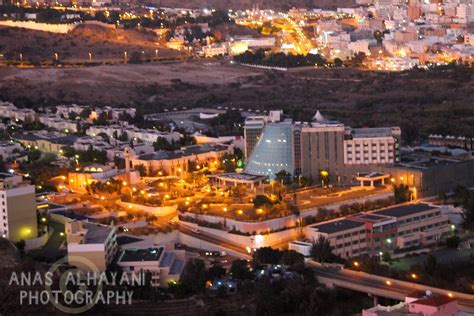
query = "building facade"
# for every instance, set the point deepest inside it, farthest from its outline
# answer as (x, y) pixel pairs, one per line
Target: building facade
(386, 230)
(18, 220)
(94, 243)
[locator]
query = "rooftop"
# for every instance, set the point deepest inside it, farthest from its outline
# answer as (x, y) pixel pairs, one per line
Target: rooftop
(372, 132)
(405, 210)
(96, 233)
(184, 152)
(435, 300)
(337, 226)
(149, 254)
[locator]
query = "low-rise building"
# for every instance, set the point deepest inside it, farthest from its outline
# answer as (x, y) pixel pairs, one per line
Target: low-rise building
(177, 162)
(385, 230)
(90, 246)
(50, 142)
(164, 266)
(418, 304)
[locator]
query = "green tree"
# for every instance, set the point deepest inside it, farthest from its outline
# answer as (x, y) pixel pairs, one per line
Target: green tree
(291, 258)
(240, 269)
(321, 250)
(401, 193)
(267, 255)
(283, 176)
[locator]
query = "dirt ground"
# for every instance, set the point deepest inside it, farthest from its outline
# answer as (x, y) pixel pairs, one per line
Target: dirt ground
(420, 102)
(104, 44)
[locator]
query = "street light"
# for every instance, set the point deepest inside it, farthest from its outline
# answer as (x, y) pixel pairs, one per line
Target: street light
(90, 57)
(414, 276)
(388, 282)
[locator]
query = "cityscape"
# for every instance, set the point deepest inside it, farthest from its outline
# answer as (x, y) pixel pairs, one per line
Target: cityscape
(237, 157)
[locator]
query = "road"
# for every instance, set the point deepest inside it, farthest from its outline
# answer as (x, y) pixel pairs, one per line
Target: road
(384, 287)
(215, 240)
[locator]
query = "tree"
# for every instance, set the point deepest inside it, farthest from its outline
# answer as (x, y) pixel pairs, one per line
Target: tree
(338, 62)
(401, 193)
(291, 258)
(283, 176)
(266, 255)
(262, 201)
(453, 242)
(141, 169)
(321, 250)
(240, 270)
(34, 155)
(430, 264)
(135, 58)
(193, 280)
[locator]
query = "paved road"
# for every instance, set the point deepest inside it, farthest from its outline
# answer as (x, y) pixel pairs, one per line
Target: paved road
(215, 240)
(378, 286)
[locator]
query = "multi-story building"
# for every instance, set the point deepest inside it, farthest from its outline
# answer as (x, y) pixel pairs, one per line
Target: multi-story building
(253, 128)
(95, 243)
(18, 220)
(322, 145)
(177, 162)
(385, 230)
(164, 266)
(366, 146)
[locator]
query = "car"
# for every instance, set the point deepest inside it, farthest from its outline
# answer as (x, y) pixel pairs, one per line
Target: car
(196, 231)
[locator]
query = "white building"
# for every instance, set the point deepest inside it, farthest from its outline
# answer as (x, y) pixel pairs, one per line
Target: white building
(93, 242)
(164, 266)
(365, 146)
(18, 208)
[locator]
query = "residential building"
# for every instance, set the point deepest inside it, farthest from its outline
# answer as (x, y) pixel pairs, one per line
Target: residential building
(385, 230)
(18, 220)
(164, 266)
(50, 142)
(177, 162)
(418, 304)
(95, 243)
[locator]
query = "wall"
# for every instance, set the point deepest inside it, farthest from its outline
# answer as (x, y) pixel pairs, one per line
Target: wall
(53, 28)
(155, 210)
(278, 223)
(247, 227)
(266, 240)
(38, 242)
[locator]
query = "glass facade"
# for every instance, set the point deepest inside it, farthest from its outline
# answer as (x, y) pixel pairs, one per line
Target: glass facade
(273, 152)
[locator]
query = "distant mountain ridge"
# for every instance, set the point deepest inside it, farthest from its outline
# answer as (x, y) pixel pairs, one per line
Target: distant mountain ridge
(247, 4)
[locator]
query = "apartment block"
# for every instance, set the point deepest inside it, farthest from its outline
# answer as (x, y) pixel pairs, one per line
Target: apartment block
(386, 230)
(18, 220)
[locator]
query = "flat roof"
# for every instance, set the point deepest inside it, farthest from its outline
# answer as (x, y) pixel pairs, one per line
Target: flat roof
(244, 177)
(404, 210)
(372, 132)
(96, 233)
(149, 254)
(435, 300)
(371, 217)
(337, 226)
(185, 152)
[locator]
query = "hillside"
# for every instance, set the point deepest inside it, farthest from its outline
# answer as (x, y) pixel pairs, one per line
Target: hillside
(421, 102)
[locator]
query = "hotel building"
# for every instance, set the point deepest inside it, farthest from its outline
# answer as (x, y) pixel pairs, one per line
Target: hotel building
(386, 230)
(18, 220)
